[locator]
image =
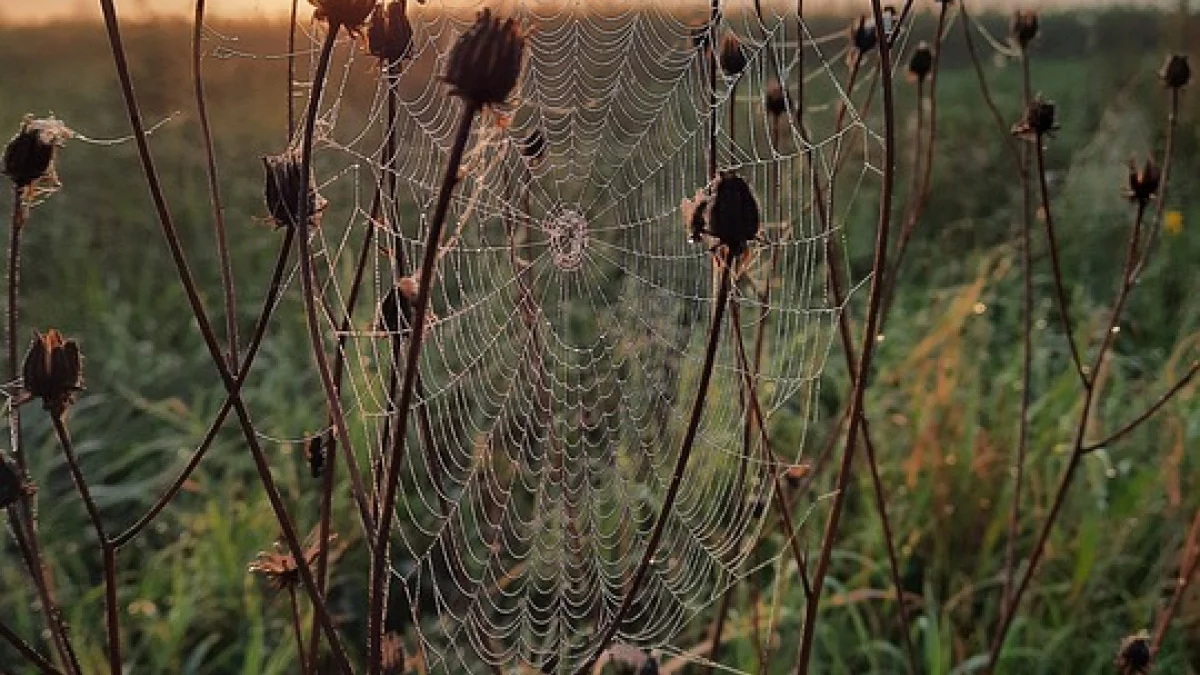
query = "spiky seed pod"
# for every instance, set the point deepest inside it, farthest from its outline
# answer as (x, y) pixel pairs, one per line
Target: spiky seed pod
(53, 370)
(1176, 72)
(732, 216)
(533, 146)
(486, 61)
(774, 100)
(732, 57)
(1134, 657)
(1038, 121)
(863, 35)
(921, 62)
(349, 14)
(1143, 182)
(389, 36)
(284, 191)
(1024, 27)
(29, 156)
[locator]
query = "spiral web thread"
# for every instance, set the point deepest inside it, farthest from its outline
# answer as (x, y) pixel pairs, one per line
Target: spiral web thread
(571, 317)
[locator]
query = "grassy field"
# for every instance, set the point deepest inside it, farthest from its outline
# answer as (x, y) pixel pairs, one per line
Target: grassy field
(943, 406)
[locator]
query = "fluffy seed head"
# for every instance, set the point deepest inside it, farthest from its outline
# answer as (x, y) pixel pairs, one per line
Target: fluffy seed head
(1024, 27)
(53, 370)
(486, 61)
(732, 56)
(1176, 72)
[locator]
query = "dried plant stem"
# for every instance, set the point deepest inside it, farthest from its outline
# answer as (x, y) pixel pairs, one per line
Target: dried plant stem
(112, 608)
(379, 574)
(1149, 412)
(291, 72)
(308, 282)
(1013, 602)
(868, 351)
(295, 606)
(30, 654)
(685, 452)
(1164, 181)
(19, 215)
(1187, 571)
(986, 92)
(714, 16)
(188, 282)
(214, 189)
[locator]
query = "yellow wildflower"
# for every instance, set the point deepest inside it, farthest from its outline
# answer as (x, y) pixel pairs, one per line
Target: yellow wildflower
(1173, 222)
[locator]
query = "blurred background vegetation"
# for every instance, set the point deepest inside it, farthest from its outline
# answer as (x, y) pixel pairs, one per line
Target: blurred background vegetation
(944, 407)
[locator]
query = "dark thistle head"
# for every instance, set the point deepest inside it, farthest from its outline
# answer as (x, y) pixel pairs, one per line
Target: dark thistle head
(285, 192)
(775, 101)
(348, 14)
(1038, 120)
(1023, 28)
(1134, 656)
(29, 156)
(733, 217)
(486, 61)
(53, 370)
(732, 57)
(1143, 181)
(920, 64)
(863, 36)
(1176, 72)
(389, 35)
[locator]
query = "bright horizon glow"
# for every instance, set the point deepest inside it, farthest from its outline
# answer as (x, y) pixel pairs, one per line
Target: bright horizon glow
(45, 11)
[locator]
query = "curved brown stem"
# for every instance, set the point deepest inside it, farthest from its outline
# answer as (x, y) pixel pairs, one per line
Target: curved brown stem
(1149, 412)
(43, 664)
(685, 452)
(1187, 571)
(214, 190)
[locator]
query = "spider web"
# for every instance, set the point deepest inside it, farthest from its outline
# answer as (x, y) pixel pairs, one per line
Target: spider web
(571, 315)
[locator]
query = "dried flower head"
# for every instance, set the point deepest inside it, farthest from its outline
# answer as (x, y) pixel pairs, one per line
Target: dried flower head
(389, 36)
(1176, 72)
(393, 653)
(349, 14)
(53, 370)
(775, 101)
(732, 57)
(284, 190)
(1038, 121)
(1134, 657)
(29, 156)
(921, 62)
(1024, 27)
(863, 35)
(1143, 182)
(280, 568)
(486, 61)
(732, 216)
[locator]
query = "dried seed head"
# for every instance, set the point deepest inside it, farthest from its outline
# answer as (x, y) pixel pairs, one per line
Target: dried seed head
(53, 370)
(775, 100)
(1143, 182)
(350, 14)
(921, 62)
(284, 191)
(1024, 27)
(1134, 657)
(280, 568)
(29, 156)
(732, 215)
(695, 214)
(533, 147)
(389, 36)
(1176, 72)
(486, 61)
(863, 35)
(732, 57)
(1038, 121)
(314, 453)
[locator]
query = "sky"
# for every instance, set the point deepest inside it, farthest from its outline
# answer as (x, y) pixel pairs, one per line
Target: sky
(51, 10)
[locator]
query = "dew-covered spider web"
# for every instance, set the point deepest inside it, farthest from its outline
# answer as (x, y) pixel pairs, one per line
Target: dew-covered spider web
(572, 311)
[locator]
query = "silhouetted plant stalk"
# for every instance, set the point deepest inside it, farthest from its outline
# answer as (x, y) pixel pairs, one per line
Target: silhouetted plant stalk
(1175, 74)
(1189, 560)
(31, 655)
(214, 189)
(187, 281)
(878, 267)
(291, 72)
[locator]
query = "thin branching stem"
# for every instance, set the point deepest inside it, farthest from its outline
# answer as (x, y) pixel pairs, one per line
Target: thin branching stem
(1187, 572)
(1149, 412)
(111, 605)
(1009, 142)
(685, 453)
(214, 189)
(878, 267)
(187, 280)
(1164, 181)
(379, 573)
(291, 72)
(295, 606)
(43, 664)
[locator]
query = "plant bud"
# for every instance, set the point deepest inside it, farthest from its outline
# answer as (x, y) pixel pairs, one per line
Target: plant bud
(29, 156)
(1176, 72)
(732, 216)
(863, 35)
(284, 191)
(1143, 183)
(350, 14)
(732, 58)
(53, 370)
(1038, 121)
(921, 62)
(486, 61)
(389, 37)
(1024, 27)
(775, 100)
